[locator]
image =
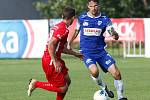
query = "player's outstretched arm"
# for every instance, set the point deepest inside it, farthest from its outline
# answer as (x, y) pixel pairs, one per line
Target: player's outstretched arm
(75, 34)
(72, 52)
(52, 44)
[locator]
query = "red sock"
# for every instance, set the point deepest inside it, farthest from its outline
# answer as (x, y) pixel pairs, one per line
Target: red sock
(60, 96)
(47, 86)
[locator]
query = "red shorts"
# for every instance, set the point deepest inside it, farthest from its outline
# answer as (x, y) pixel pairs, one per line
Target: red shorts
(55, 78)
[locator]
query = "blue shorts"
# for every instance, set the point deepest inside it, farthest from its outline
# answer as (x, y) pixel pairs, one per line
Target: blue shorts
(104, 60)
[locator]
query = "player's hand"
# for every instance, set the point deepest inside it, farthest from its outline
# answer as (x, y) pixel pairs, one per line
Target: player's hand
(57, 66)
(69, 46)
(79, 55)
(115, 35)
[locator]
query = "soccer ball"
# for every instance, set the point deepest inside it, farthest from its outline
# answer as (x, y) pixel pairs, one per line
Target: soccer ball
(100, 95)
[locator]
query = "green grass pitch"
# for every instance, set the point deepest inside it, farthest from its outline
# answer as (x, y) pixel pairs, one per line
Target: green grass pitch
(15, 73)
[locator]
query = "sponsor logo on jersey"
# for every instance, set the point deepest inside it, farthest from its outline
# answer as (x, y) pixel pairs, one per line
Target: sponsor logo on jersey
(88, 61)
(83, 16)
(92, 31)
(104, 17)
(99, 22)
(85, 23)
(15, 41)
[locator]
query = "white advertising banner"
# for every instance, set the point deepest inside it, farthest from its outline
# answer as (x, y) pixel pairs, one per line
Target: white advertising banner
(147, 37)
(23, 38)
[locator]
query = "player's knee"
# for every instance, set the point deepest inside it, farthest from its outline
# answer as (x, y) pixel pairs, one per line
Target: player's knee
(117, 75)
(115, 72)
(64, 89)
(94, 72)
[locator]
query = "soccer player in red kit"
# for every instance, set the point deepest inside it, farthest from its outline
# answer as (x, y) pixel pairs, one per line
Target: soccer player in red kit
(54, 67)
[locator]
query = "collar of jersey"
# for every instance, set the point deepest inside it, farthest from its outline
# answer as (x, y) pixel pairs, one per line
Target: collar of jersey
(92, 16)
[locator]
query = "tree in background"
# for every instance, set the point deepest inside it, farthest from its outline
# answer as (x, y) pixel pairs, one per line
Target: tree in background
(126, 8)
(114, 8)
(53, 8)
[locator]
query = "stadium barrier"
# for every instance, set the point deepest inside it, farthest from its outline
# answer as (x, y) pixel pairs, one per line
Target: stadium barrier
(23, 38)
(27, 38)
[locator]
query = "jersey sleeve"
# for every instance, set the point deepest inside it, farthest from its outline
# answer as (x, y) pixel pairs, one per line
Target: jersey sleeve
(56, 32)
(109, 23)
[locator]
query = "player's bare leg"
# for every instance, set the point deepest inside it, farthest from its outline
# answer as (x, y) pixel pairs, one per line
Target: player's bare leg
(96, 77)
(118, 81)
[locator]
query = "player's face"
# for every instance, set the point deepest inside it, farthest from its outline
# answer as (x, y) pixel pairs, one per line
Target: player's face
(93, 8)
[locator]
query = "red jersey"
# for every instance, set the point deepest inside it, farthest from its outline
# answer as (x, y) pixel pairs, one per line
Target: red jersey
(59, 31)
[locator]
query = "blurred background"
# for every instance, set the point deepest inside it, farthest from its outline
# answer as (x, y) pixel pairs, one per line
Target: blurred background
(130, 18)
(35, 9)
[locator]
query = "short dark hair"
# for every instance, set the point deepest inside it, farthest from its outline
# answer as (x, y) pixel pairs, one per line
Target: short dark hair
(93, 1)
(68, 12)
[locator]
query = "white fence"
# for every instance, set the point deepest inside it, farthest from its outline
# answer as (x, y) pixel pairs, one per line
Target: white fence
(133, 49)
(138, 48)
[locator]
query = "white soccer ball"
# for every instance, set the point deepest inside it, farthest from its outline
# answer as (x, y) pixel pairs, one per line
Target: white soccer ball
(100, 95)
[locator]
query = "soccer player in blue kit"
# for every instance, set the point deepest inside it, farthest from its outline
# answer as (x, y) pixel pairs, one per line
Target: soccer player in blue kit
(92, 25)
